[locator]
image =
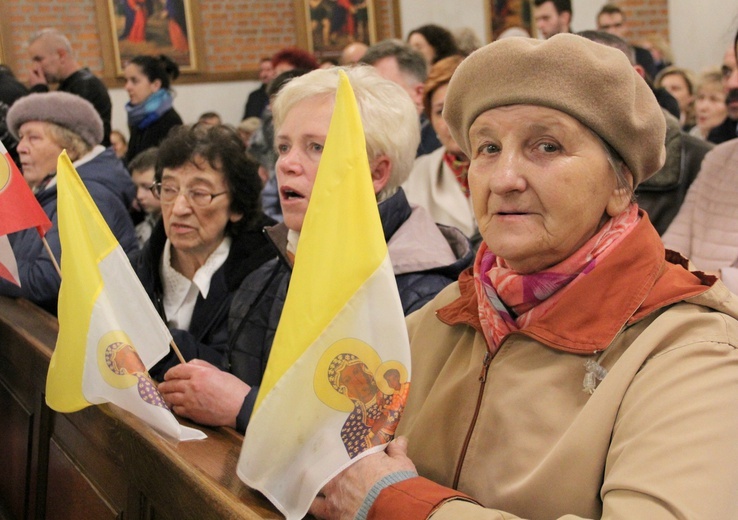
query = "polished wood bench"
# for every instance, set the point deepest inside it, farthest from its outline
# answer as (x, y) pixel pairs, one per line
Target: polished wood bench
(101, 462)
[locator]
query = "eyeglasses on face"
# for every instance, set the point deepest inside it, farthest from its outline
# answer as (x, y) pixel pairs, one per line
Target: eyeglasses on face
(168, 194)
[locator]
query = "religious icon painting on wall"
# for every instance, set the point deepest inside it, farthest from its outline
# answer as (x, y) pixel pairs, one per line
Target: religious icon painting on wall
(153, 27)
(333, 24)
(509, 18)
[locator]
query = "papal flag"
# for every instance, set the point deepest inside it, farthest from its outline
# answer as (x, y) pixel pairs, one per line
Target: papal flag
(339, 367)
(109, 331)
(19, 210)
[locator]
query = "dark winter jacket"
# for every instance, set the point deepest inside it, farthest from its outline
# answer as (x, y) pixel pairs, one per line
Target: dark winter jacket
(426, 257)
(207, 336)
(111, 188)
(88, 86)
(662, 194)
(152, 135)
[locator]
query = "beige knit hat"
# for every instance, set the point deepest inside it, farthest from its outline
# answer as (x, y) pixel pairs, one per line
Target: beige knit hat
(589, 81)
(66, 110)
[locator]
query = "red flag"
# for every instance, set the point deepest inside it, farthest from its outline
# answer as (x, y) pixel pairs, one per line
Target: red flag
(19, 209)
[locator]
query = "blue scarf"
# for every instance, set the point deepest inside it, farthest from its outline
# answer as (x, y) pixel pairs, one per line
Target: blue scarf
(145, 114)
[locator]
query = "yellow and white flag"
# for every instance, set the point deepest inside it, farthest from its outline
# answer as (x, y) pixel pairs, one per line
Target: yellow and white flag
(109, 331)
(339, 368)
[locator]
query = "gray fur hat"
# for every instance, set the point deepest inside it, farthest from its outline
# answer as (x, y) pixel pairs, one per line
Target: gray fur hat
(62, 108)
(591, 82)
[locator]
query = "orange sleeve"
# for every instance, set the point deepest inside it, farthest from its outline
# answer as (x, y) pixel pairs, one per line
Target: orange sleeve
(412, 499)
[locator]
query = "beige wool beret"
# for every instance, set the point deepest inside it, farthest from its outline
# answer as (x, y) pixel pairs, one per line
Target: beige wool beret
(589, 81)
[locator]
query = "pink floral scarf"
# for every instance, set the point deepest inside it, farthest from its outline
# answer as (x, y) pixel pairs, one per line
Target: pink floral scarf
(509, 301)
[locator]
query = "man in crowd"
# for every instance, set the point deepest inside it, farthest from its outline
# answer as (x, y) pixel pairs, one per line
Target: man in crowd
(54, 63)
(552, 17)
(258, 99)
(728, 129)
(401, 64)
(611, 19)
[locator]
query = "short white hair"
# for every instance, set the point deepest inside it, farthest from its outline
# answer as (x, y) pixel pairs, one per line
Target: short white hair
(389, 116)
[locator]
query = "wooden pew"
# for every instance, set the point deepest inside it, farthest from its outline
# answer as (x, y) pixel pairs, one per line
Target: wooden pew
(101, 462)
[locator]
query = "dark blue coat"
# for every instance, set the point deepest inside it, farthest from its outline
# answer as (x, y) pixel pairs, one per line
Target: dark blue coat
(112, 189)
(207, 336)
(257, 305)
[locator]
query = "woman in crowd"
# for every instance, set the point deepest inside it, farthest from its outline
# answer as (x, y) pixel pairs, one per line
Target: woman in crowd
(425, 257)
(709, 105)
(119, 143)
(438, 181)
(45, 124)
(679, 82)
(433, 42)
(577, 372)
(208, 238)
(150, 112)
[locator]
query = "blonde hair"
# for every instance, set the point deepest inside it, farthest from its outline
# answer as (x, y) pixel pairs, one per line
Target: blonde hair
(389, 116)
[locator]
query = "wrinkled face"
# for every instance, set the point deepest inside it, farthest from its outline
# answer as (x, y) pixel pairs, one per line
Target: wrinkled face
(418, 42)
(192, 230)
(138, 86)
(549, 21)
(438, 98)
(730, 82)
(38, 151)
(266, 71)
(359, 384)
(541, 184)
(677, 86)
(299, 143)
(612, 23)
(710, 107)
(46, 60)
(143, 179)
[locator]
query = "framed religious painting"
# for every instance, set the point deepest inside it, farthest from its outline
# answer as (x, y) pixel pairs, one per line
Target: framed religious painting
(325, 27)
(154, 27)
(509, 18)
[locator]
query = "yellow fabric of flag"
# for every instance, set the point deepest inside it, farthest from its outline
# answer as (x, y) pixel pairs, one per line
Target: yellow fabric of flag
(342, 207)
(81, 286)
(109, 331)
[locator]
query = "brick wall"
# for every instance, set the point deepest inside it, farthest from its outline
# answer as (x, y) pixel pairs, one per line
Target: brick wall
(236, 33)
(646, 17)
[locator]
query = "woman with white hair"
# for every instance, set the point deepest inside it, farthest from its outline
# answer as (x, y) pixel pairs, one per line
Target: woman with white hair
(425, 257)
(45, 124)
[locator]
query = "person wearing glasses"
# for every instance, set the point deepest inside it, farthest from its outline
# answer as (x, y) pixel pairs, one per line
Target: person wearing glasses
(207, 240)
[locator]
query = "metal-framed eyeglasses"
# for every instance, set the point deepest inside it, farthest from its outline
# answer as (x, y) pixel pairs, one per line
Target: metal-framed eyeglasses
(168, 194)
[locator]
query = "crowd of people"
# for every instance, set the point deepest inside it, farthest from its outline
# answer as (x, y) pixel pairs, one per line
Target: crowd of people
(566, 253)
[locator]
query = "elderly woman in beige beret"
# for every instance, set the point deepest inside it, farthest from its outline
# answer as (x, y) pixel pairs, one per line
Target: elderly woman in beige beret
(579, 370)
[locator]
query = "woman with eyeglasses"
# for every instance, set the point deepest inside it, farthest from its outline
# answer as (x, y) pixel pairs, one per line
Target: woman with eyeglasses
(208, 239)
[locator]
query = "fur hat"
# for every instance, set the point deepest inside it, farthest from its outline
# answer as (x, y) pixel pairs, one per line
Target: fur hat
(591, 82)
(62, 108)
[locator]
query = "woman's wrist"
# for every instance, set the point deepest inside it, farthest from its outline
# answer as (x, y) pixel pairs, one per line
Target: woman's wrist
(386, 481)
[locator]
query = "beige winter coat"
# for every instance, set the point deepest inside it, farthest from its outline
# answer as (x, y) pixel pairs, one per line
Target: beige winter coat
(656, 439)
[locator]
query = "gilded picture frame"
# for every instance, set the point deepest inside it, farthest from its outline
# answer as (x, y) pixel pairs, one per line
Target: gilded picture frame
(154, 27)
